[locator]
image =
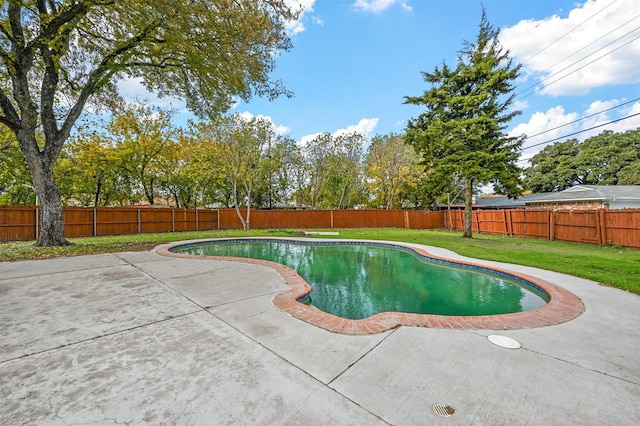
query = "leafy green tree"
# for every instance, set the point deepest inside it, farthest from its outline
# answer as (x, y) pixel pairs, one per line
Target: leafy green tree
(335, 171)
(346, 184)
(462, 131)
(92, 168)
(180, 171)
(142, 138)
(242, 151)
(317, 154)
(57, 56)
(283, 159)
(15, 181)
(389, 165)
(553, 168)
(605, 159)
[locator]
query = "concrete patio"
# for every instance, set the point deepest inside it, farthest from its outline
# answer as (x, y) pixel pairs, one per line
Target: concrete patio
(139, 338)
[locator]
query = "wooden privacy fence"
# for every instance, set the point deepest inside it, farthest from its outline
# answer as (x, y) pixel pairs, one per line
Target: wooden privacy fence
(602, 226)
(329, 219)
(18, 223)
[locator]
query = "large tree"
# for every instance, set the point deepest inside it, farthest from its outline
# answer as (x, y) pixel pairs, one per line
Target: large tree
(553, 168)
(56, 56)
(390, 165)
(241, 151)
(605, 159)
(462, 132)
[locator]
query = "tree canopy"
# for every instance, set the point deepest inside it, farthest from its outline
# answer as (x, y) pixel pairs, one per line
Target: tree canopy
(605, 159)
(58, 57)
(462, 132)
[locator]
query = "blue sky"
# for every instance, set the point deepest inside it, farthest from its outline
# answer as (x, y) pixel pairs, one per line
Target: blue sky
(354, 61)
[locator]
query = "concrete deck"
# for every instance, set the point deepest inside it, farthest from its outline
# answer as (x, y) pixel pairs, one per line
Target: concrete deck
(139, 338)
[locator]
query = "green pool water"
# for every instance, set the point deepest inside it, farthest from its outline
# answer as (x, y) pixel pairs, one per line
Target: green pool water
(356, 281)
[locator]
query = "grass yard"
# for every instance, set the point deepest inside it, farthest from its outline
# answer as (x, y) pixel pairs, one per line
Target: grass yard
(615, 266)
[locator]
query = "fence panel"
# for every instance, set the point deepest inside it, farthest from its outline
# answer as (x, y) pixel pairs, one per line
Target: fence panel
(530, 223)
(78, 222)
(425, 219)
(283, 219)
(621, 227)
(491, 222)
(368, 219)
(454, 220)
(156, 220)
(207, 220)
(184, 220)
(576, 226)
(116, 221)
(18, 223)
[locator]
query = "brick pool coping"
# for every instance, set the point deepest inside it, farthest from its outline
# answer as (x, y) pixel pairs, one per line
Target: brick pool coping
(563, 305)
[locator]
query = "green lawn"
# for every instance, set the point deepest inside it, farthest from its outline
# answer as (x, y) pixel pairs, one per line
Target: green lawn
(615, 266)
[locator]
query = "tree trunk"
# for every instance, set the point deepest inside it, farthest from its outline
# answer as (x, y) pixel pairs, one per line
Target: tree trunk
(52, 224)
(237, 207)
(468, 210)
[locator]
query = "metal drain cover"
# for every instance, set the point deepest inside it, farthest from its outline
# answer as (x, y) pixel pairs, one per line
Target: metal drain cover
(504, 341)
(443, 410)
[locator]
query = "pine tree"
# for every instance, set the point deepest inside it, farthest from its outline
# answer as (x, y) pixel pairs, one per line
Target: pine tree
(462, 132)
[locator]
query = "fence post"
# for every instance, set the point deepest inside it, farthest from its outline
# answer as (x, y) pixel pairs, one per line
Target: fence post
(37, 221)
(95, 223)
(197, 225)
(477, 215)
(506, 225)
(603, 226)
(218, 218)
(406, 219)
(552, 225)
(173, 220)
(139, 226)
(510, 222)
(331, 219)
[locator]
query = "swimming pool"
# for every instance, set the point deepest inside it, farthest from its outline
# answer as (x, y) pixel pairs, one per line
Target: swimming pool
(562, 305)
(358, 280)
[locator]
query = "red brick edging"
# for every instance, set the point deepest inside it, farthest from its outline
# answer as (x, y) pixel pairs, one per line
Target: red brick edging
(563, 305)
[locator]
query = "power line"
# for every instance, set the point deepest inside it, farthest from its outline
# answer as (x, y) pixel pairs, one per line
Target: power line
(584, 118)
(569, 32)
(578, 61)
(593, 42)
(578, 69)
(578, 132)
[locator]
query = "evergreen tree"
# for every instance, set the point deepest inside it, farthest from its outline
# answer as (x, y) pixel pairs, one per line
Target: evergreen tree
(462, 132)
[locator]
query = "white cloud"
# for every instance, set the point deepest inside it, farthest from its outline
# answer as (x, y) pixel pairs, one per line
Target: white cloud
(378, 6)
(280, 130)
(305, 6)
(365, 127)
(308, 138)
(575, 54)
(541, 122)
(133, 91)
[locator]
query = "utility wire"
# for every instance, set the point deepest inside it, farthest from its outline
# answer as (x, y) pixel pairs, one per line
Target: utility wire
(593, 42)
(578, 61)
(569, 32)
(583, 118)
(578, 69)
(578, 132)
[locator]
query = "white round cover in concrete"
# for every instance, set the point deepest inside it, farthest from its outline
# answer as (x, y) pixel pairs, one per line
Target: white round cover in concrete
(504, 341)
